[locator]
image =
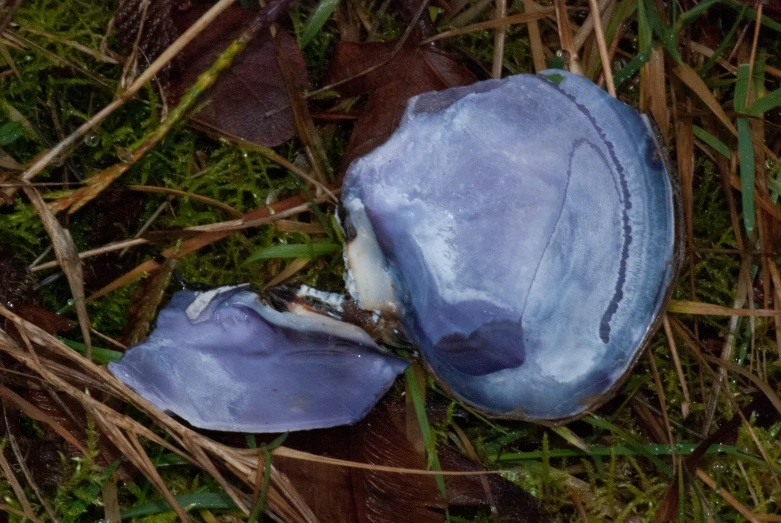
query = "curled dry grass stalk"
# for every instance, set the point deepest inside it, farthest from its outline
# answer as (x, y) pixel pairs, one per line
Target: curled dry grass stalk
(698, 124)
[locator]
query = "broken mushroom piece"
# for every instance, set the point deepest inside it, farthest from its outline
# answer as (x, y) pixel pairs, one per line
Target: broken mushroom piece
(524, 230)
(223, 361)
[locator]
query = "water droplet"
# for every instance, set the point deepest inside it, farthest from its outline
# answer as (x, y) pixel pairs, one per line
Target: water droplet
(124, 155)
(92, 140)
(564, 55)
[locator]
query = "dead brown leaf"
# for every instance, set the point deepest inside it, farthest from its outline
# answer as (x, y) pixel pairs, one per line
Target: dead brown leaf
(159, 30)
(372, 496)
(412, 70)
(248, 100)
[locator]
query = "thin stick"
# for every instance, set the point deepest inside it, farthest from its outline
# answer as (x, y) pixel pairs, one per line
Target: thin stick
(524, 18)
(108, 339)
(583, 32)
(56, 58)
(110, 247)
(603, 54)
(662, 403)
(131, 64)
(678, 368)
(97, 55)
(237, 225)
(744, 284)
(499, 35)
(5, 469)
(67, 256)
(565, 37)
(535, 41)
(776, 277)
(729, 498)
(149, 222)
(754, 43)
(710, 309)
(185, 194)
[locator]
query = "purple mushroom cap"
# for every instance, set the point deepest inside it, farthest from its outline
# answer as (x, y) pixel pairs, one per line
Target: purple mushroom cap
(223, 361)
(524, 230)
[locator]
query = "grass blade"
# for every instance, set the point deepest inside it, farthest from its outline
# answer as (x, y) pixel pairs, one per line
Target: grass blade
(713, 142)
(693, 81)
(630, 442)
(10, 132)
(631, 67)
(751, 14)
(425, 428)
(260, 503)
(746, 157)
(297, 250)
(321, 15)
(741, 88)
(766, 103)
(726, 43)
(692, 14)
(666, 35)
(203, 500)
(100, 355)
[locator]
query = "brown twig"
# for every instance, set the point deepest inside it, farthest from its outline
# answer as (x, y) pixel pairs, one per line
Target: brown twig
(678, 369)
(68, 258)
(97, 55)
(729, 498)
(535, 41)
(565, 37)
(499, 35)
(524, 18)
(662, 403)
(600, 36)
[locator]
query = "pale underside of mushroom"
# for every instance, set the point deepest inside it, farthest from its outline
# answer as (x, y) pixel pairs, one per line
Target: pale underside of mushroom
(223, 361)
(524, 230)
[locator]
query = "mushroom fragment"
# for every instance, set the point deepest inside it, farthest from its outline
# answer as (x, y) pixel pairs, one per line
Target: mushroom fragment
(524, 230)
(223, 361)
